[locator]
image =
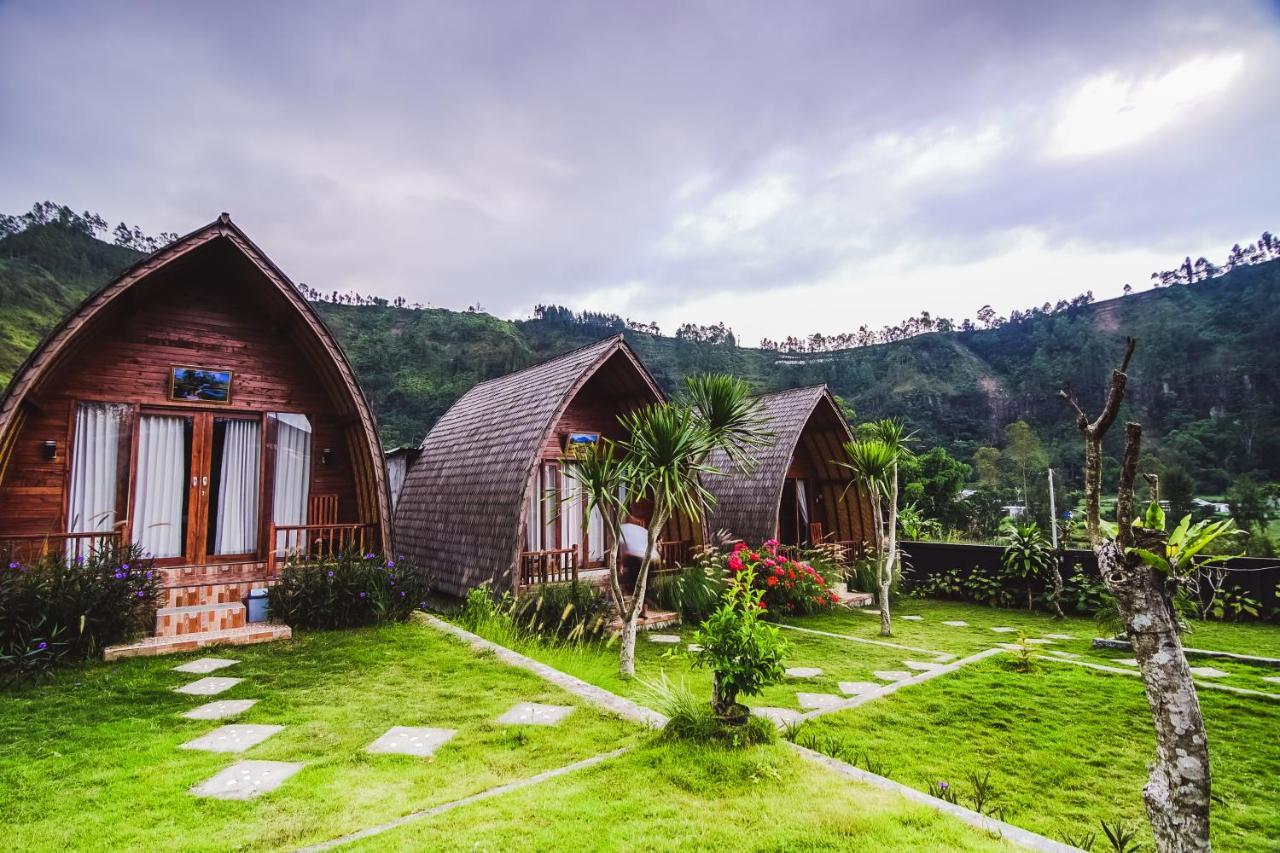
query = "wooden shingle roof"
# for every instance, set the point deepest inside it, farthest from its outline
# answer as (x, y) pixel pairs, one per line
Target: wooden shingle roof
(462, 504)
(746, 504)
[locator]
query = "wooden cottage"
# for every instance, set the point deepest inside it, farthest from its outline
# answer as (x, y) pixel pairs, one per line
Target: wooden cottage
(797, 494)
(197, 407)
(486, 502)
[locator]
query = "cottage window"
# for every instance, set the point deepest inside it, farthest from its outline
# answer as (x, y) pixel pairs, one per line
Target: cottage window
(95, 461)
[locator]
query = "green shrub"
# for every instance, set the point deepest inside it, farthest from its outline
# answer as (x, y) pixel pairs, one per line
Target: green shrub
(743, 652)
(347, 591)
(787, 586)
(692, 591)
(692, 719)
(57, 611)
(567, 611)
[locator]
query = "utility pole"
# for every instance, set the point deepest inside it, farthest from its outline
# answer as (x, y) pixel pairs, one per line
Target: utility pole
(1053, 515)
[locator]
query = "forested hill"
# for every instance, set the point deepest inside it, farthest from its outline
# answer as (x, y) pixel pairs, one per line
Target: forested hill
(1204, 382)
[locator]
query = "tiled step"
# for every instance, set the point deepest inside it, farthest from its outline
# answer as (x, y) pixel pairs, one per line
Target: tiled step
(856, 599)
(654, 620)
(199, 619)
(258, 632)
(209, 593)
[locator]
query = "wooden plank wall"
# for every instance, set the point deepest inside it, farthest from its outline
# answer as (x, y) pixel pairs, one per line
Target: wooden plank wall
(204, 310)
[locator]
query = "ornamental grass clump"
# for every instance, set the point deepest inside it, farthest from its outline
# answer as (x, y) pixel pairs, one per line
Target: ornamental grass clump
(743, 652)
(347, 591)
(55, 611)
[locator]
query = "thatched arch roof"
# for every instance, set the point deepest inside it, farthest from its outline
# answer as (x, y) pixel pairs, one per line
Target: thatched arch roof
(462, 504)
(307, 331)
(802, 420)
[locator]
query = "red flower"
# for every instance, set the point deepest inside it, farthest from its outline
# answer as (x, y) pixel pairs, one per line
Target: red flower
(735, 563)
(739, 546)
(772, 581)
(778, 572)
(760, 604)
(755, 555)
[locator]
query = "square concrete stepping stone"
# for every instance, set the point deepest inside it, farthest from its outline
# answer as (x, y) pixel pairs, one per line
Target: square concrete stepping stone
(779, 716)
(1060, 636)
(669, 639)
(407, 740)
(1040, 641)
(956, 623)
(694, 647)
(803, 672)
(210, 686)
(920, 666)
(892, 675)
(220, 708)
(1274, 679)
(533, 714)
(914, 618)
(1208, 672)
(1128, 661)
(1060, 653)
(205, 666)
(870, 611)
(236, 737)
(1005, 629)
(1009, 647)
(246, 779)
(857, 688)
(813, 701)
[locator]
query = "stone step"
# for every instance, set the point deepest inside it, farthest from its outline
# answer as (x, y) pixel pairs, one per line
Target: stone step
(258, 632)
(654, 620)
(200, 619)
(856, 599)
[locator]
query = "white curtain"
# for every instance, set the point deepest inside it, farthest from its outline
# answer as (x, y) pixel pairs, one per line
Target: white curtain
(533, 515)
(550, 497)
(570, 513)
(595, 535)
(237, 519)
(161, 485)
(802, 503)
(292, 477)
(95, 456)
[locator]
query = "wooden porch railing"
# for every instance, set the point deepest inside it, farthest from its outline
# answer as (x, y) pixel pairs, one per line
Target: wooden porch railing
(28, 547)
(551, 566)
(317, 541)
(674, 553)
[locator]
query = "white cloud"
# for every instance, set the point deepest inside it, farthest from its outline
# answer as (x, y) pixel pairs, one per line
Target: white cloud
(1110, 111)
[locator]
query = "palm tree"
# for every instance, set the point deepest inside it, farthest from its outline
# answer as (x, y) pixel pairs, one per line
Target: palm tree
(874, 459)
(663, 458)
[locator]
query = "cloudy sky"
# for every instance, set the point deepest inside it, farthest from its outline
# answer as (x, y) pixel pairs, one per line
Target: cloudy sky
(783, 167)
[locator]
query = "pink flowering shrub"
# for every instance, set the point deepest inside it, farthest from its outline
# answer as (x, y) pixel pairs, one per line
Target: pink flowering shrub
(790, 587)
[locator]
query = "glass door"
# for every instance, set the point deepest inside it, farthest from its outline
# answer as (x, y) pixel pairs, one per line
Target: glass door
(164, 485)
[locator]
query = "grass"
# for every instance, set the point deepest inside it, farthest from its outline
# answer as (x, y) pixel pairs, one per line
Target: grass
(90, 760)
(1066, 747)
(680, 796)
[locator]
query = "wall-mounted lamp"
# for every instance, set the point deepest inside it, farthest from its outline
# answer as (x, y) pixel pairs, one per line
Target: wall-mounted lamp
(50, 450)
(325, 455)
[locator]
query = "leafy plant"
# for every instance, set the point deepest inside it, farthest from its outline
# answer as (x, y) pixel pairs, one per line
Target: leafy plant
(788, 586)
(691, 719)
(943, 790)
(56, 611)
(347, 591)
(1081, 840)
(1022, 659)
(1028, 555)
(743, 652)
(1086, 593)
(1235, 603)
(1122, 837)
(575, 612)
(692, 591)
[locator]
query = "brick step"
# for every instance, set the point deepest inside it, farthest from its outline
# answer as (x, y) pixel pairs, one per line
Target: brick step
(655, 619)
(210, 593)
(856, 599)
(200, 619)
(261, 632)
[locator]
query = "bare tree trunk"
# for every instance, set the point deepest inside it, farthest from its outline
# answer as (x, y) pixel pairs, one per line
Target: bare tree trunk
(631, 618)
(889, 556)
(627, 649)
(1178, 790)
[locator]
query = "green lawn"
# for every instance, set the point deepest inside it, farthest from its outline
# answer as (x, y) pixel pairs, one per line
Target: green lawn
(687, 797)
(90, 761)
(1066, 747)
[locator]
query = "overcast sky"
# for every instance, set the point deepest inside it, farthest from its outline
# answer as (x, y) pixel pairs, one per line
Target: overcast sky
(783, 167)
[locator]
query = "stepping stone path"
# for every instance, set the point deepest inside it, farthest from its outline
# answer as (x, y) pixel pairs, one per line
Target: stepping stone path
(857, 688)
(919, 666)
(957, 623)
(208, 686)
(870, 611)
(1062, 654)
(1128, 661)
(204, 666)
(803, 672)
(813, 701)
(1004, 629)
(1039, 641)
(892, 675)
(232, 738)
(533, 714)
(1274, 679)
(1009, 647)
(246, 780)
(668, 639)
(407, 740)
(914, 618)
(1208, 672)
(779, 716)
(694, 647)
(220, 708)
(1060, 636)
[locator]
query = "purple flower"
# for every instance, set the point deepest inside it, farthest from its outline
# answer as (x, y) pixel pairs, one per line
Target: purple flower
(148, 575)
(79, 560)
(118, 576)
(42, 645)
(402, 593)
(362, 595)
(15, 565)
(370, 556)
(330, 573)
(142, 593)
(391, 582)
(391, 564)
(124, 567)
(942, 786)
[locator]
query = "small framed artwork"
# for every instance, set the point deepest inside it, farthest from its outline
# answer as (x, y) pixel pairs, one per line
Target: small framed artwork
(577, 442)
(199, 385)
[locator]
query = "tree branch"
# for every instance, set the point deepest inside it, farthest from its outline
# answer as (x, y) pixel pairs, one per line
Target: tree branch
(1124, 492)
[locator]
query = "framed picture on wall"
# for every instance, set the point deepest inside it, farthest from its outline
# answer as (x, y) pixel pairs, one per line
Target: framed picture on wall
(578, 442)
(199, 385)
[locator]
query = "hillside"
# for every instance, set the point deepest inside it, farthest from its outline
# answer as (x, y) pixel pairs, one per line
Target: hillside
(1204, 382)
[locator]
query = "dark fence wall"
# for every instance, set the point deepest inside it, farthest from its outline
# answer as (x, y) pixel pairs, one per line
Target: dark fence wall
(1257, 576)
